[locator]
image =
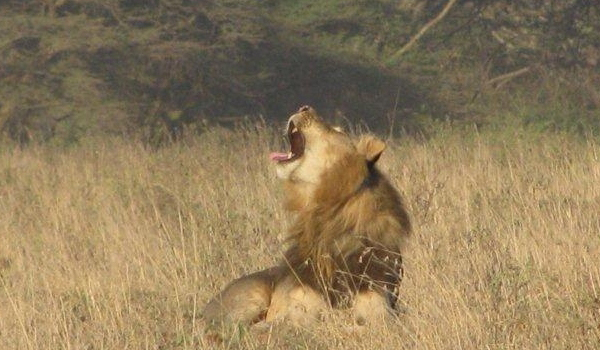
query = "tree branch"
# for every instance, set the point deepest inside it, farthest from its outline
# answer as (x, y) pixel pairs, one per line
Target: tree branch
(396, 56)
(504, 78)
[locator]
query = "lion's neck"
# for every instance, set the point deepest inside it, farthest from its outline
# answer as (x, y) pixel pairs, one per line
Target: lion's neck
(319, 235)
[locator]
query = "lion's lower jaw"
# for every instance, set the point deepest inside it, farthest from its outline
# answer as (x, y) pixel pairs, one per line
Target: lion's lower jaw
(284, 171)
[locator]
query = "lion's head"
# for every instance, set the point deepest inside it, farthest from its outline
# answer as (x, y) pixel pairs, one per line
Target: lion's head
(322, 156)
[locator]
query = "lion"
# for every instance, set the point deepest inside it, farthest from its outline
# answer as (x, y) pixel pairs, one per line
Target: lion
(344, 244)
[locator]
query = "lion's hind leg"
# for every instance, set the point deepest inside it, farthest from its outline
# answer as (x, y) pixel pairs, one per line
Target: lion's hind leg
(243, 301)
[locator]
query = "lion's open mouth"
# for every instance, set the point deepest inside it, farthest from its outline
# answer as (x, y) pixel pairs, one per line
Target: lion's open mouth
(296, 145)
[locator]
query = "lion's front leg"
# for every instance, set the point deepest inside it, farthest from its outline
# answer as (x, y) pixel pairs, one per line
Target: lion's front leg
(371, 307)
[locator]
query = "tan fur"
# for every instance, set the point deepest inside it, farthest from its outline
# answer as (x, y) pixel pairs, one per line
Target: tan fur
(345, 242)
(298, 304)
(245, 300)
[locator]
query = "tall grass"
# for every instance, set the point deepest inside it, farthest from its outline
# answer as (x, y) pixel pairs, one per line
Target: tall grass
(111, 245)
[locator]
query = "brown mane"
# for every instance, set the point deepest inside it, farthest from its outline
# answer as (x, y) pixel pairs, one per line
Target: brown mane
(354, 226)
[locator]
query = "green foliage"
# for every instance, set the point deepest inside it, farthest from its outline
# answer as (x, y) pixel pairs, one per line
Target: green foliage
(72, 68)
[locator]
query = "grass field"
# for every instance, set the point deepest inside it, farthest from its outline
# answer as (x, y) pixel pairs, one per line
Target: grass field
(110, 245)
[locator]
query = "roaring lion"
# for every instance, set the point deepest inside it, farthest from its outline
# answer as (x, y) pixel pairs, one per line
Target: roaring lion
(345, 243)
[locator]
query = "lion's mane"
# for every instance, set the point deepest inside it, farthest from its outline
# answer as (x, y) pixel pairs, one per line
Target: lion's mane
(348, 236)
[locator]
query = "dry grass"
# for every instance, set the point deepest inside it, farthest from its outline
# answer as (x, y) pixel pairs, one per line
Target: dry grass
(113, 246)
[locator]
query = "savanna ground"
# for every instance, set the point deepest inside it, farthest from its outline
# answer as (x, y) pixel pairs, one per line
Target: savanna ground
(111, 245)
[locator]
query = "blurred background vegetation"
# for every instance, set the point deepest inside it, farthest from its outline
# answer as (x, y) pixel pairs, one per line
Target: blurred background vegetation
(155, 69)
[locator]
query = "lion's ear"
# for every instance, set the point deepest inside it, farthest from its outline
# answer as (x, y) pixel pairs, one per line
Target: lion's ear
(371, 146)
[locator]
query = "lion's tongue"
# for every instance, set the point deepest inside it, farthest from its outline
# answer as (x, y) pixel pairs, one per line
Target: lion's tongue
(276, 156)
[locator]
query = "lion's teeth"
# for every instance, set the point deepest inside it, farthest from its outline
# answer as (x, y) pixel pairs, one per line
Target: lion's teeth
(295, 129)
(290, 155)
